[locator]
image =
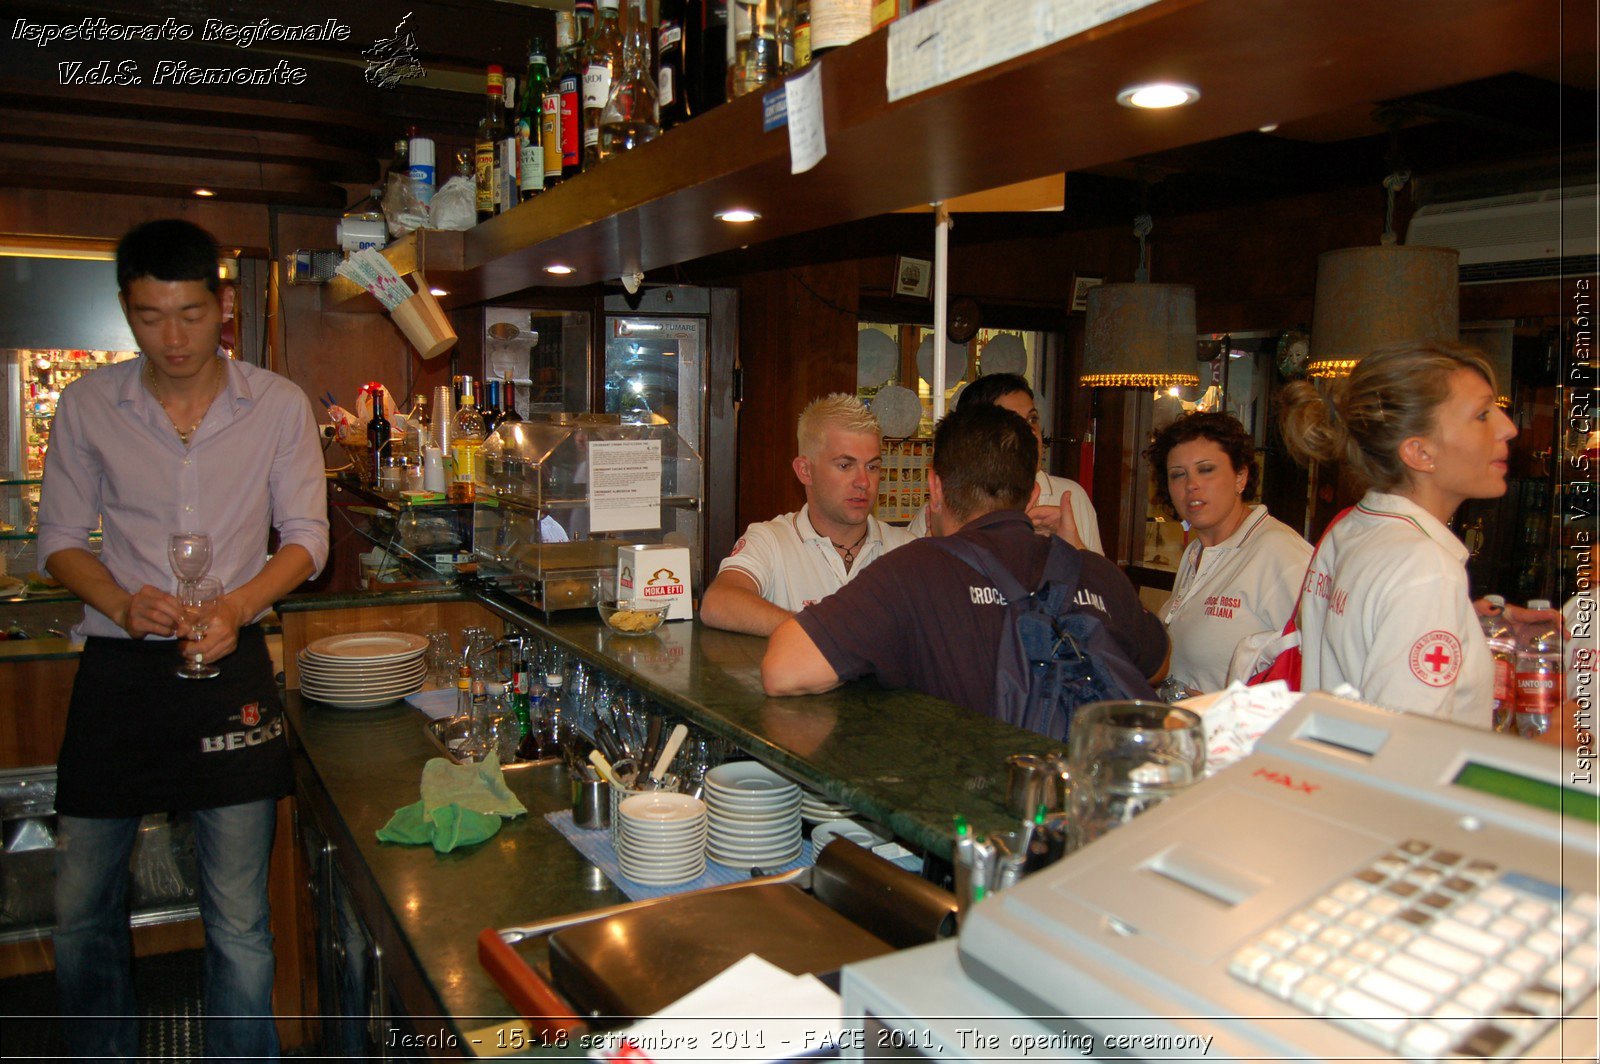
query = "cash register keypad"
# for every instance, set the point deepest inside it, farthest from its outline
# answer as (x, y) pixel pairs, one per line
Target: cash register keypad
(1432, 954)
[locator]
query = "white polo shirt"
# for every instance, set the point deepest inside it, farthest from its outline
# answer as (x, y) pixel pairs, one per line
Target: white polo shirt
(1384, 607)
(1248, 583)
(1051, 491)
(794, 565)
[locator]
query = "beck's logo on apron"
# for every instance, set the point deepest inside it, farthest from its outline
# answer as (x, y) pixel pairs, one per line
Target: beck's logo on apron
(250, 714)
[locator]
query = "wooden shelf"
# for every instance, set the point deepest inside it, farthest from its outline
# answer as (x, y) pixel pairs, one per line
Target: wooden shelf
(1047, 112)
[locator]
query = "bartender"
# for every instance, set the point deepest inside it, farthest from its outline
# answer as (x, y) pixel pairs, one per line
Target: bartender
(779, 567)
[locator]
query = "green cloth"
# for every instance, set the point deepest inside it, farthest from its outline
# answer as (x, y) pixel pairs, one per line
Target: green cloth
(461, 805)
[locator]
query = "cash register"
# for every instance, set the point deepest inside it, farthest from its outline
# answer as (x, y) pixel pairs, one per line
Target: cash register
(1363, 885)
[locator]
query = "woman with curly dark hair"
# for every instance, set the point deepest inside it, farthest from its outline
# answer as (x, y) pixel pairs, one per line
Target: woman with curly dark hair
(1240, 574)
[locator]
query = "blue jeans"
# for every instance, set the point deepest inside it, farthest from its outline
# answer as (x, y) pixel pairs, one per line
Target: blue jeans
(93, 966)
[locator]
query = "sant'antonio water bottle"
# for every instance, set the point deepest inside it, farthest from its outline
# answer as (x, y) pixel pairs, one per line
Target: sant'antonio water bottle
(1539, 676)
(1503, 654)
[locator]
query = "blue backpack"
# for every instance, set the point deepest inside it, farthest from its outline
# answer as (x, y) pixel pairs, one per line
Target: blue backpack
(1051, 659)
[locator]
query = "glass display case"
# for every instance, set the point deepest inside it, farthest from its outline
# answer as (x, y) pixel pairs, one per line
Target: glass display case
(556, 496)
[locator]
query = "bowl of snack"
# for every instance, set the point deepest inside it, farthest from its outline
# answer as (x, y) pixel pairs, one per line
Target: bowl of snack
(632, 618)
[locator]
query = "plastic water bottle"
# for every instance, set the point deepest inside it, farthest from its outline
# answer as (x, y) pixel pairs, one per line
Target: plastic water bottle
(1539, 677)
(1503, 653)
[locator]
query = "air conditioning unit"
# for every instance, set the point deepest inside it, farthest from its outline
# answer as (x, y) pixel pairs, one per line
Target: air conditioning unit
(1515, 238)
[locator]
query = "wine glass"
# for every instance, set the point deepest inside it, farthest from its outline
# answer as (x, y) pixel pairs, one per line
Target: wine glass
(190, 554)
(199, 600)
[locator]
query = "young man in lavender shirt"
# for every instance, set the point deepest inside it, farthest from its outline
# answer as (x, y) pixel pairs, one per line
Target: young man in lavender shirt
(181, 439)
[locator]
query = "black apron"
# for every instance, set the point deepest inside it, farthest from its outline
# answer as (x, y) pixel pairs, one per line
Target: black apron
(141, 740)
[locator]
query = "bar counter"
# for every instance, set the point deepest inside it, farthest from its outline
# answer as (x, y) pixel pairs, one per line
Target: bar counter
(902, 759)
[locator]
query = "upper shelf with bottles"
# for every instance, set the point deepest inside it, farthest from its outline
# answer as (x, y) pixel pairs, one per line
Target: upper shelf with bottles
(1046, 112)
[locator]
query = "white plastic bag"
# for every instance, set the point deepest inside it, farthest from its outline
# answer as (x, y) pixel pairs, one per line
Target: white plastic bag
(455, 206)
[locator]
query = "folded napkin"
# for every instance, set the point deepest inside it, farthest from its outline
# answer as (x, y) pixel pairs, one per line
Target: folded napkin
(461, 805)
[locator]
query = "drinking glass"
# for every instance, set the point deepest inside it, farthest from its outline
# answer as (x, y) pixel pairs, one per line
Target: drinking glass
(443, 664)
(190, 554)
(199, 600)
(1125, 757)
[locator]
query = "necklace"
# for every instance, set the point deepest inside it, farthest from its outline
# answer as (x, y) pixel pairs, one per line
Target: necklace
(850, 552)
(155, 389)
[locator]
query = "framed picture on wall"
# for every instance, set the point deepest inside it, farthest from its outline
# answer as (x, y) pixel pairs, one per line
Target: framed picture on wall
(1080, 291)
(912, 277)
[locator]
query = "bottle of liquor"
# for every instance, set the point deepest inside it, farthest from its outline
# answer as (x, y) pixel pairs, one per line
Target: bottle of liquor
(754, 55)
(490, 410)
(535, 90)
(705, 54)
(570, 83)
(520, 671)
(486, 145)
(466, 439)
(378, 433)
(670, 84)
(550, 106)
(507, 159)
(836, 23)
(508, 402)
(602, 55)
(1502, 642)
(801, 34)
(632, 115)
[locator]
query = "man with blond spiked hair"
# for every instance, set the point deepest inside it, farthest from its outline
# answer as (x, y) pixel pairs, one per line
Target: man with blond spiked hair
(779, 567)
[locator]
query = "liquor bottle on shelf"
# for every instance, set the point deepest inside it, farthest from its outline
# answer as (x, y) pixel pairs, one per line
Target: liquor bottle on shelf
(570, 83)
(801, 34)
(490, 411)
(705, 54)
(602, 55)
(535, 90)
(466, 439)
(632, 115)
(754, 54)
(378, 433)
(836, 23)
(670, 83)
(486, 145)
(508, 402)
(550, 105)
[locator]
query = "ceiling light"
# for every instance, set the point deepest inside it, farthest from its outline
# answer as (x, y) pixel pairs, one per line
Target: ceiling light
(559, 269)
(1270, 127)
(1158, 94)
(737, 215)
(204, 192)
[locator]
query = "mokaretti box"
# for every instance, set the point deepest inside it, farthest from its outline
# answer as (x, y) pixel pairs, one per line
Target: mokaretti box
(653, 574)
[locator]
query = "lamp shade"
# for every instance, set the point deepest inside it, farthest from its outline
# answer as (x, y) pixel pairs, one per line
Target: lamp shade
(1372, 297)
(1493, 338)
(1140, 336)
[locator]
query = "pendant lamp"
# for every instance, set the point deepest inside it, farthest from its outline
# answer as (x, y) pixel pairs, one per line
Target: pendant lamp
(1140, 335)
(1493, 338)
(1372, 297)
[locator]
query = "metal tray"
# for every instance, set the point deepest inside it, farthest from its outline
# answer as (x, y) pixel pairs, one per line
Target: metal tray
(443, 730)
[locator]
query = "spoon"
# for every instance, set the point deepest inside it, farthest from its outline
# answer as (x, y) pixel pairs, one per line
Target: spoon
(668, 752)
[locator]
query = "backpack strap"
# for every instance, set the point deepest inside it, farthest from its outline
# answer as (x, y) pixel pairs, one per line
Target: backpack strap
(1063, 567)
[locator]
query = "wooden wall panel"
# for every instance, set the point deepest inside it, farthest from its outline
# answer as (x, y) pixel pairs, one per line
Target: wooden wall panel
(33, 710)
(301, 628)
(797, 341)
(55, 212)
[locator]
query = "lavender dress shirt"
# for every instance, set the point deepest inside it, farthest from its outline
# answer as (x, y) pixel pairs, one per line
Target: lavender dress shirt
(115, 460)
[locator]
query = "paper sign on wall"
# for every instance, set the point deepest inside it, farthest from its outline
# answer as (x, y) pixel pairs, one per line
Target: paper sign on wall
(624, 485)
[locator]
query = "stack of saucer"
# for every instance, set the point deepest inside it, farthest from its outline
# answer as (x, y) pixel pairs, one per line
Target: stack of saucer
(662, 838)
(360, 670)
(755, 815)
(818, 809)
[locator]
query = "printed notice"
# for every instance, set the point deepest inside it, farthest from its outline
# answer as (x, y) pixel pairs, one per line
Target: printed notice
(624, 485)
(808, 136)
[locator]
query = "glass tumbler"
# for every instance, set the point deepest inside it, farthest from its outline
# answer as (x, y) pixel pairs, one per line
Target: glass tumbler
(1124, 758)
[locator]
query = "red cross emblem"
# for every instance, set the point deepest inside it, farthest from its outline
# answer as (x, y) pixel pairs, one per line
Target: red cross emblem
(1436, 658)
(250, 714)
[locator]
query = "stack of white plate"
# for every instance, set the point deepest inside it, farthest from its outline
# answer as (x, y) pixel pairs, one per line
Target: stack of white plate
(662, 838)
(818, 809)
(755, 815)
(360, 670)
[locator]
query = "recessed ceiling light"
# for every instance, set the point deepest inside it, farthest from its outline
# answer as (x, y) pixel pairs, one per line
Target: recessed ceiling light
(204, 192)
(558, 269)
(439, 291)
(737, 215)
(1158, 94)
(1270, 127)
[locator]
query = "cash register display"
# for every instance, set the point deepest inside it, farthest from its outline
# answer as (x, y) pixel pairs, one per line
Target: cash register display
(1568, 801)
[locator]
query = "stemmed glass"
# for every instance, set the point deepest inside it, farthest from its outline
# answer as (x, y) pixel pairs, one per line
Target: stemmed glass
(190, 554)
(199, 600)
